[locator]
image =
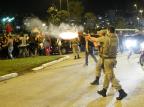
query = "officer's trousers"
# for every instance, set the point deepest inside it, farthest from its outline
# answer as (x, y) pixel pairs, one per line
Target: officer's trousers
(92, 55)
(99, 67)
(75, 49)
(109, 74)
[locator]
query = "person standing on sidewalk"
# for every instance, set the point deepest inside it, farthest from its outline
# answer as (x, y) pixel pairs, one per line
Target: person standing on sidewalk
(110, 44)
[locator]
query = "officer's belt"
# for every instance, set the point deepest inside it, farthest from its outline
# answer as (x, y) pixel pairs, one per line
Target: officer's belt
(107, 57)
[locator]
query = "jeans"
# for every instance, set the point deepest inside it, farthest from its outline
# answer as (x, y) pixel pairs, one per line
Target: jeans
(91, 52)
(10, 50)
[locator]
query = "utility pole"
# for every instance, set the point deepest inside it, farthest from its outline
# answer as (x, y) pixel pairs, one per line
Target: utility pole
(60, 4)
(68, 5)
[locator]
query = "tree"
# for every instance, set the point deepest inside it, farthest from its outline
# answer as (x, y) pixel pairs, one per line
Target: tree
(63, 15)
(89, 15)
(90, 21)
(120, 22)
(76, 8)
(52, 11)
(56, 17)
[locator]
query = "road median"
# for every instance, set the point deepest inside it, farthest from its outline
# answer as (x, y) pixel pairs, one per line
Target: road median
(13, 68)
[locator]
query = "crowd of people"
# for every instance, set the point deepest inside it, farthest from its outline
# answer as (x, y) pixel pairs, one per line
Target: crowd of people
(24, 45)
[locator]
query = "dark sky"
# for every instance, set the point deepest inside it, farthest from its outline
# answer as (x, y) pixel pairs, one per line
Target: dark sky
(40, 6)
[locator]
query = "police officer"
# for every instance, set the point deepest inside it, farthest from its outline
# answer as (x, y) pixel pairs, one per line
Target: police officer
(99, 64)
(75, 48)
(110, 45)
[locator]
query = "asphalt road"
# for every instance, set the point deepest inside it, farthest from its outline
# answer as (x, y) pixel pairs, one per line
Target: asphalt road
(67, 84)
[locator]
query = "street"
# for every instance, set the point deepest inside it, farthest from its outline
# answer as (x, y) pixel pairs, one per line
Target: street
(67, 84)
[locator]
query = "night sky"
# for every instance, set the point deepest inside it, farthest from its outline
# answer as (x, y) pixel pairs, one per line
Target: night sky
(40, 6)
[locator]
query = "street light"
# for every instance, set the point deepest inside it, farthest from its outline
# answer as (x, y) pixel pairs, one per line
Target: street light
(135, 5)
(108, 23)
(7, 19)
(138, 20)
(141, 11)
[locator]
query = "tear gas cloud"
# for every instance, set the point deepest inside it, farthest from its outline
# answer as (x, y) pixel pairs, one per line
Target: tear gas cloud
(36, 25)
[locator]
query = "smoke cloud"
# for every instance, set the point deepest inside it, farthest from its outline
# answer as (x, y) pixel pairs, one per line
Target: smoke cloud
(36, 25)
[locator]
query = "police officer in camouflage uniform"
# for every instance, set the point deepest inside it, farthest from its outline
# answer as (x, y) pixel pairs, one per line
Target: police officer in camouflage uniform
(99, 64)
(75, 48)
(110, 45)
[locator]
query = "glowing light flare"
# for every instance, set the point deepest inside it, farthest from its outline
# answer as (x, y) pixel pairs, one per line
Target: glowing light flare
(130, 43)
(142, 46)
(68, 35)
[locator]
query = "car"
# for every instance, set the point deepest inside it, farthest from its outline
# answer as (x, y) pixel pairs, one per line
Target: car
(65, 47)
(133, 42)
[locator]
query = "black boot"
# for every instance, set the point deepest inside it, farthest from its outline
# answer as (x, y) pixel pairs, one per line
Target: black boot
(75, 57)
(96, 81)
(122, 94)
(102, 92)
(78, 57)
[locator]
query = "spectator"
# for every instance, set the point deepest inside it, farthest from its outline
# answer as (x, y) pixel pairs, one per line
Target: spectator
(10, 47)
(47, 45)
(32, 45)
(4, 52)
(16, 46)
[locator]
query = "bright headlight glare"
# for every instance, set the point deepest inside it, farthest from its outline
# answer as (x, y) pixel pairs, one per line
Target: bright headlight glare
(130, 43)
(142, 45)
(68, 35)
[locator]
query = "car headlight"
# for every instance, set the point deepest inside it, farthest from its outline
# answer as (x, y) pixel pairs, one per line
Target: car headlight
(130, 44)
(142, 45)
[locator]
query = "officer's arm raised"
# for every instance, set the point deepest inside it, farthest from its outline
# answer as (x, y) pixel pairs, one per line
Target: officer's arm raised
(93, 39)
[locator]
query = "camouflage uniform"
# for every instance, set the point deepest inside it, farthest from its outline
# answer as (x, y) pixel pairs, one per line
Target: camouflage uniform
(110, 45)
(75, 48)
(108, 59)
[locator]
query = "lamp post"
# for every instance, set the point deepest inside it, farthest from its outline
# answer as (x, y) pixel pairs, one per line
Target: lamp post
(68, 5)
(60, 4)
(60, 1)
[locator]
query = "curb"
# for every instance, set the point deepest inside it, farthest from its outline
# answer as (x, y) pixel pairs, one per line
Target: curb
(12, 75)
(50, 63)
(8, 76)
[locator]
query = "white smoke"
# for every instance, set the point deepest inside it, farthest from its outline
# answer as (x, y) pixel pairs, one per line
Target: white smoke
(36, 25)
